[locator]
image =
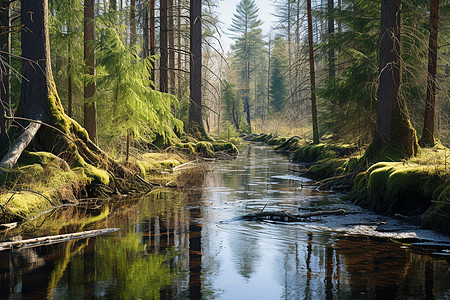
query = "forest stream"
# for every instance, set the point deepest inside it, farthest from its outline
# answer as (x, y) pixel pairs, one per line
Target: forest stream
(192, 244)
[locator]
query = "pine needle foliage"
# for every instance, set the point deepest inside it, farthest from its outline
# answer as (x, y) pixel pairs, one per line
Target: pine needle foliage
(350, 97)
(126, 98)
(66, 44)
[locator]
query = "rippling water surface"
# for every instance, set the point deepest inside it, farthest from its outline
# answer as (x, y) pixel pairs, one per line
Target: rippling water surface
(189, 245)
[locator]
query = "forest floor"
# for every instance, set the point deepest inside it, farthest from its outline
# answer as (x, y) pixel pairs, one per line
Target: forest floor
(417, 189)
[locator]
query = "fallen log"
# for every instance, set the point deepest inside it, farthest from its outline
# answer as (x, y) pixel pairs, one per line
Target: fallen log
(10, 159)
(285, 217)
(323, 212)
(48, 240)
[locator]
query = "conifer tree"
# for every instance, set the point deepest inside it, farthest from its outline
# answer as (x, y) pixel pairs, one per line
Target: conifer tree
(428, 124)
(278, 84)
(393, 129)
(90, 107)
(246, 32)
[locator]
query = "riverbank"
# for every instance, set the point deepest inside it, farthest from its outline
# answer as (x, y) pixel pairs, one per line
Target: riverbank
(417, 189)
(42, 181)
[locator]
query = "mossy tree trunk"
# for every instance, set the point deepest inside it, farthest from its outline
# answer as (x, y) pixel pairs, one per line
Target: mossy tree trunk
(428, 124)
(39, 101)
(394, 136)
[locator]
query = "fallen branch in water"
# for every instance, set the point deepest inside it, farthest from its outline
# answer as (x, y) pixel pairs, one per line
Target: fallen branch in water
(48, 240)
(285, 217)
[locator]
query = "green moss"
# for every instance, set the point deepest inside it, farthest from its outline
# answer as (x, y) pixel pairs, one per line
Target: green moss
(327, 168)
(189, 148)
(274, 141)
(264, 137)
(206, 149)
(225, 146)
(438, 216)
(397, 187)
(290, 145)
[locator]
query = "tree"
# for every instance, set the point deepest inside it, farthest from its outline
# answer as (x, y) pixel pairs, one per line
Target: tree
(394, 136)
(312, 75)
(195, 106)
(331, 63)
(152, 38)
(41, 113)
(231, 105)
(5, 71)
(163, 61)
(246, 31)
(278, 85)
(90, 107)
(428, 124)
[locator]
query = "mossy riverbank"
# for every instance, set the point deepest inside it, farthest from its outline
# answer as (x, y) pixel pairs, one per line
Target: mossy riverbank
(42, 181)
(418, 188)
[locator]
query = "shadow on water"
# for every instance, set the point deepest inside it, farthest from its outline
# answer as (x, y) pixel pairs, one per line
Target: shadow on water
(174, 245)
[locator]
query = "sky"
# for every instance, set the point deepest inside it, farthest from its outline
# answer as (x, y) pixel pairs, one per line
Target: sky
(227, 8)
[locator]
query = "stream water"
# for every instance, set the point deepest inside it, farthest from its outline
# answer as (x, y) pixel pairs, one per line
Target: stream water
(188, 244)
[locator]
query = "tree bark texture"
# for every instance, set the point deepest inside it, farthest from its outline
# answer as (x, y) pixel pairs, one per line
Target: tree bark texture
(430, 105)
(90, 107)
(393, 125)
(195, 107)
(312, 75)
(171, 48)
(146, 32)
(331, 62)
(133, 37)
(5, 70)
(163, 74)
(152, 37)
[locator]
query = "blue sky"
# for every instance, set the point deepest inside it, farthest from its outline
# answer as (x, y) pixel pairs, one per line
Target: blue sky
(227, 8)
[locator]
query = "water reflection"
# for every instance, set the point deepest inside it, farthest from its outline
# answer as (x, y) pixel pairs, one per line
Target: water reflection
(174, 245)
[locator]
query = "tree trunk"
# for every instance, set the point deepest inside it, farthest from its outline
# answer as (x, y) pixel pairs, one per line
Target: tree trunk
(247, 96)
(171, 49)
(146, 32)
(69, 69)
(39, 102)
(90, 107)
(393, 128)
(179, 90)
(312, 76)
(195, 106)
(112, 5)
(5, 71)
(152, 38)
(428, 124)
(331, 63)
(133, 37)
(163, 75)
